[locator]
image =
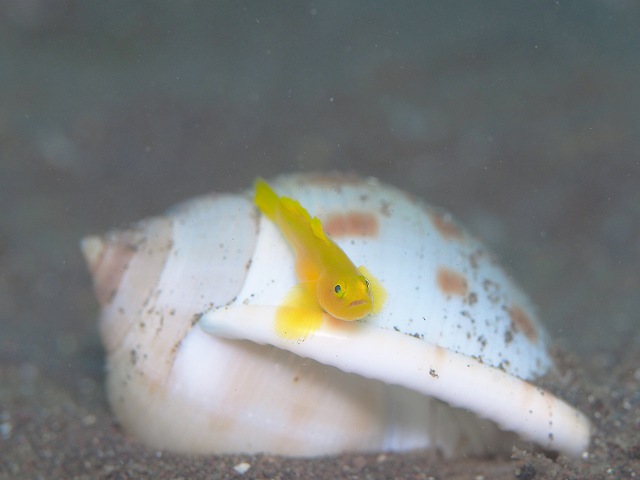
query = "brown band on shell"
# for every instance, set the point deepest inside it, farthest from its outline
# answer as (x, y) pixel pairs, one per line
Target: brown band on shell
(332, 179)
(352, 224)
(451, 282)
(138, 258)
(108, 258)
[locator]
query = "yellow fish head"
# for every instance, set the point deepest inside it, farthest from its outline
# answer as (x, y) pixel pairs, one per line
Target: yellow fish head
(346, 298)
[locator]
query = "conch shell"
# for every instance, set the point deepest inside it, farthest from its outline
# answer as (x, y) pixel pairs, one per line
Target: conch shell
(193, 365)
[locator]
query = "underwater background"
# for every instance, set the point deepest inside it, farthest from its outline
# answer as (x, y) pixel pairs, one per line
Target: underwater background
(521, 118)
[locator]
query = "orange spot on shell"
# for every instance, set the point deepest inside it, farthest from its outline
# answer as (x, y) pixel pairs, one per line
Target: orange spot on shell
(522, 323)
(332, 179)
(451, 282)
(445, 225)
(353, 224)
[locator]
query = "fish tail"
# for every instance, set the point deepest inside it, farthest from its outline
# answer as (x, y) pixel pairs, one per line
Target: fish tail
(266, 199)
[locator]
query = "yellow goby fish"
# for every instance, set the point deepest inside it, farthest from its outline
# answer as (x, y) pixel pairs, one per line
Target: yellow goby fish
(329, 280)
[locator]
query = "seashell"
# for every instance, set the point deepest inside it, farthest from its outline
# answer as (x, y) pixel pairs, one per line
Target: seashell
(193, 365)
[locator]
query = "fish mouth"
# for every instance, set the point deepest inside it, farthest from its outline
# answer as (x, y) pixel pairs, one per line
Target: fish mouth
(356, 303)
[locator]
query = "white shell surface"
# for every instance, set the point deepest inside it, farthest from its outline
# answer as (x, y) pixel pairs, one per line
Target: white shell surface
(443, 286)
(175, 386)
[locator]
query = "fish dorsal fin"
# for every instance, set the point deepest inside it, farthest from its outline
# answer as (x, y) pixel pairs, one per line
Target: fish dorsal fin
(294, 207)
(316, 228)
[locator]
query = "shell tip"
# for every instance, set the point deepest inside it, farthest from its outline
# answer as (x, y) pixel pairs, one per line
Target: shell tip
(92, 248)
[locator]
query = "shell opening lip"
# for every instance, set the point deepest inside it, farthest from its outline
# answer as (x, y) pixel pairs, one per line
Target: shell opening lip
(512, 403)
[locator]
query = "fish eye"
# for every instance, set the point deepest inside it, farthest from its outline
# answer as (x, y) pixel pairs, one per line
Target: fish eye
(366, 282)
(339, 290)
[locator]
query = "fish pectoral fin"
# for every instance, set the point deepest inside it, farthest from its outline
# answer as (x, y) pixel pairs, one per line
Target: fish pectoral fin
(377, 290)
(299, 316)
